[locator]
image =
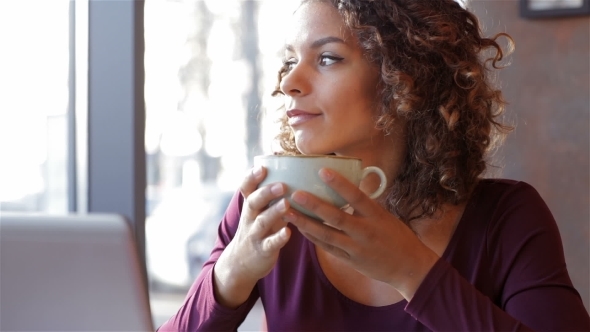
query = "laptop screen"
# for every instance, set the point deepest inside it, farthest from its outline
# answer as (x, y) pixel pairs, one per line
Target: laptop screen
(76, 272)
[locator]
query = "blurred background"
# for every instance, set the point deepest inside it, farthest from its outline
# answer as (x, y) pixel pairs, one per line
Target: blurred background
(155, 108)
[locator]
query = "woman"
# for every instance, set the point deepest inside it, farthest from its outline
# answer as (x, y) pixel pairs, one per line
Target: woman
(403, 85)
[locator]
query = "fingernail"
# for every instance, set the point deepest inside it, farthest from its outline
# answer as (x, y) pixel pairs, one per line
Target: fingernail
(289, 217)
(283, 232)
(281, 206)
(257, 171)
(326, 174)
(299, 198)
(277, 189)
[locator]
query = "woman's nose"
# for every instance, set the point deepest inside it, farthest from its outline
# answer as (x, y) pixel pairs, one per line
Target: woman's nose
(296, 81)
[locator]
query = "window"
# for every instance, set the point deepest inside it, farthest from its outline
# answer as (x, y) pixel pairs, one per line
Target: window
(210, 69)
(34, 71)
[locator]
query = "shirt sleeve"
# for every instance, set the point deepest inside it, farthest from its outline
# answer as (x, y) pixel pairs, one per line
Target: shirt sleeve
(529, 272)
(200, 310)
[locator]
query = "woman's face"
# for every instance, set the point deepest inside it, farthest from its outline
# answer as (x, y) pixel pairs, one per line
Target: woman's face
(330, 88)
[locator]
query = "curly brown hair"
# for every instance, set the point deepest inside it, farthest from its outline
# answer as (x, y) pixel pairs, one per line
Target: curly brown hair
(436, 74)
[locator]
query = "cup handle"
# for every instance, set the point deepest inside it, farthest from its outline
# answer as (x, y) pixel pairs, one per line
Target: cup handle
(382, 185)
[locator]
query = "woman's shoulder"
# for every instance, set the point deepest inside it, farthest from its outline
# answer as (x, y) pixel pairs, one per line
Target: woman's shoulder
(513, 207)
(505, 191)
(504, 206)
(503, 184)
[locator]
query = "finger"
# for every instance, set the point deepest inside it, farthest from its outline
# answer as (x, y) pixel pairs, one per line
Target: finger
(336, 251)
(252, 179)
(271, 220)
(277, 240)
(326, 236)
(328, 213)
(351, 193)
(260, 199)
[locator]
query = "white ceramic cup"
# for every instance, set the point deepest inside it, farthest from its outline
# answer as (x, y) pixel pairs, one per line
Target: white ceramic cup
(301, 173)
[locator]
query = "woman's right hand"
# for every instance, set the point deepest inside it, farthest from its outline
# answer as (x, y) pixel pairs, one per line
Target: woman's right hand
(254, 250)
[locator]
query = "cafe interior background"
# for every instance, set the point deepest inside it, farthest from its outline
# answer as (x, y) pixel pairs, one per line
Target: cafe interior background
(154, 109)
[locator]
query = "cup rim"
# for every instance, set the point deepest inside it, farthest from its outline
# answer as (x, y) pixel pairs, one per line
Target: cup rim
(304, 156)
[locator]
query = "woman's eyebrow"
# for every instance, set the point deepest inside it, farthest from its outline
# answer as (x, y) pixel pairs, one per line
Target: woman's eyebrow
(320, 42)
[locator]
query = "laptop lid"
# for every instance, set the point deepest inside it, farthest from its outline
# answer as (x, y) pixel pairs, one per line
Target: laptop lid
(78, 272)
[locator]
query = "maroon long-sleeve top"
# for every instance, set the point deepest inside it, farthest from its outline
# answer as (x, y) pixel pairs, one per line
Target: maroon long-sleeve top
(503, 270)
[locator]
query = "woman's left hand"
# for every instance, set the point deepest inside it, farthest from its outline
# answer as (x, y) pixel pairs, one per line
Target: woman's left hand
(372, 240)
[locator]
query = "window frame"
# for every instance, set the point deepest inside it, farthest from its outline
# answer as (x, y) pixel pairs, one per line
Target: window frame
(107, 112)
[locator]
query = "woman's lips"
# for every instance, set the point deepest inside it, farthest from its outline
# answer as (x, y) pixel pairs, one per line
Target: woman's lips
(297, 117)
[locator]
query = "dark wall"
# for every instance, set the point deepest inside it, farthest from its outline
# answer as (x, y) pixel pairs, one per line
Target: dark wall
(547, 86)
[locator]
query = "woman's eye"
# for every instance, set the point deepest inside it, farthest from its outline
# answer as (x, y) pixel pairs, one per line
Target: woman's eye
(326, 60)
(288, 64)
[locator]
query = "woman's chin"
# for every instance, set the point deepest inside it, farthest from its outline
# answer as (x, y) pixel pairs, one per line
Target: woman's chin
(306, 150)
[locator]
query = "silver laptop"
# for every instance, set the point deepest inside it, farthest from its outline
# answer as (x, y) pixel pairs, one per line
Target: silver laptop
(70, 273)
